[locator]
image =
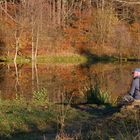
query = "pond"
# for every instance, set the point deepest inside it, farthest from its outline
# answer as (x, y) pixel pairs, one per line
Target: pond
(68, 79)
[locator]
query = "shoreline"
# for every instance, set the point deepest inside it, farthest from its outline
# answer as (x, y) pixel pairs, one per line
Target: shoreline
(67, 59)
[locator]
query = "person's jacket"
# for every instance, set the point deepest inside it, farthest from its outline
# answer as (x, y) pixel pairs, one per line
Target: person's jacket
(135, 88)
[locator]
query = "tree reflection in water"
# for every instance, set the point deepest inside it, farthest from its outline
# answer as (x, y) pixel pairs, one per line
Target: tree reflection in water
(69, 79)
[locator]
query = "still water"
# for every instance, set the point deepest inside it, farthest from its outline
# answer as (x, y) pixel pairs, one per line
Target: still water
(59, 79)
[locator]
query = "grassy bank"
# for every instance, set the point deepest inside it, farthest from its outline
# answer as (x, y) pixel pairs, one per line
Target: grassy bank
(21, 122)
(48, 59)
(19, 115)
(39, 119)
(19, 59)
(62, 59)
(100, 119)
(70, 59)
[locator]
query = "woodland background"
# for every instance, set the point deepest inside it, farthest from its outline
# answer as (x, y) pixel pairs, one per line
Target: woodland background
(32, 28)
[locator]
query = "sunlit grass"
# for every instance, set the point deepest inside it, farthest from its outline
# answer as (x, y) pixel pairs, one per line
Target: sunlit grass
(22, 115)
(47, 59)
(19, 59)
(61, 59)
(64, 59)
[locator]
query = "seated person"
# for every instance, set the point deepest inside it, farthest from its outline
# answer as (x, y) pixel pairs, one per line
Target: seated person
(135, 87)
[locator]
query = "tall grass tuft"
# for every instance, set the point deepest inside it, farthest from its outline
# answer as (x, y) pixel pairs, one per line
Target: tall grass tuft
(97, 96)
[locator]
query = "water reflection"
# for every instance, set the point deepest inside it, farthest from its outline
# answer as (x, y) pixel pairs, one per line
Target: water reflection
(71, 80)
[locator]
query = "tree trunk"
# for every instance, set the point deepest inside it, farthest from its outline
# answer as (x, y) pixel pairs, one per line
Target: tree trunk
(17, 48)
(33, 45)
(37, 42)
(54, 13)
(59, 12)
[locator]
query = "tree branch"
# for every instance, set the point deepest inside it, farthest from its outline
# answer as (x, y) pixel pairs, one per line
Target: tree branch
(8, 14)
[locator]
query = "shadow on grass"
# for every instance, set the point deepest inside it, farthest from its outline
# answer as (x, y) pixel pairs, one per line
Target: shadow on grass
(33, 132)
(36, 135)
(97, 111)
(36, 124)
(98, 103)
(93, 58)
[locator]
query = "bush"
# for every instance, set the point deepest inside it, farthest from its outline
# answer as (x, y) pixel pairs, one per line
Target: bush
(98, 96)
(40, 97)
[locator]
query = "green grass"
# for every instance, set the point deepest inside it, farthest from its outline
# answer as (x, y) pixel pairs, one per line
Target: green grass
(19, 59)
(61, 59)
(23, 116)
(29, 119)
(18, 117)
(48, 59)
